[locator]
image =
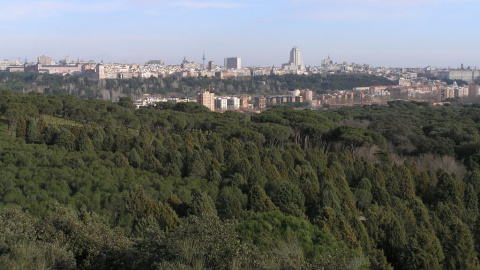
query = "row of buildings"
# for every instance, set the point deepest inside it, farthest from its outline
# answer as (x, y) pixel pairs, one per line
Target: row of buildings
(223, 103)
(428, 84)
(305, 98)
(384, 93)
(154, 68)
(233, 68)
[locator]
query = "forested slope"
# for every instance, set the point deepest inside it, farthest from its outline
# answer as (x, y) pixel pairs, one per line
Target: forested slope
(89, 184)
(112, 89)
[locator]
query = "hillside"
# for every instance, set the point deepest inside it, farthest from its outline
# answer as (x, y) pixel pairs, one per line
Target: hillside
(90, 184)
(113, 89)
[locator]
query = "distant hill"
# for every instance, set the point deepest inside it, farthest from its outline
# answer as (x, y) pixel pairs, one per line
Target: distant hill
(112, 89)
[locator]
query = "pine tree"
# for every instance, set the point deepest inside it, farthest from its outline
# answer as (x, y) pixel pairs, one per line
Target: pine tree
(33, 134)
(258, 200)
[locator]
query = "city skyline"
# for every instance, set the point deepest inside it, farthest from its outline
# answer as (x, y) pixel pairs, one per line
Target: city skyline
(379, 33)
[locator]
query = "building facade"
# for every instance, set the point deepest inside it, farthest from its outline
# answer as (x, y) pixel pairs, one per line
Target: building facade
(307, 95)
(221, 103)
(211, 65)
(207, 99)
(467, 75)
(473, 90)
(296, 61)
(233, 63)
(45, 60)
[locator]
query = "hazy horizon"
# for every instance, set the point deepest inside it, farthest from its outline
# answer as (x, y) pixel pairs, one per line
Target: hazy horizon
(379, 33)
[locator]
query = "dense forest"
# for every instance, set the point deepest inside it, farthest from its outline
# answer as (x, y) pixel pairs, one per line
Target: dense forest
(91, 184)
(112, 89)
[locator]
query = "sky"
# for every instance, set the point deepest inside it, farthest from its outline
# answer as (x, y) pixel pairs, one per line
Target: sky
(391, 33)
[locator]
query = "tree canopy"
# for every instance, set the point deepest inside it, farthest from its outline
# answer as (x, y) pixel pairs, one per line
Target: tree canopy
(91, 184)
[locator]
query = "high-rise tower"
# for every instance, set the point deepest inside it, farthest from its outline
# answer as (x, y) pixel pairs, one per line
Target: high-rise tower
(203, 58)
(207, 99)
(233, 63)
(296, 62)
(296, 57)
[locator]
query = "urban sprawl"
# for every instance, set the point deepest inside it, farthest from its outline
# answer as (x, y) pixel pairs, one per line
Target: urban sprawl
(422, 84)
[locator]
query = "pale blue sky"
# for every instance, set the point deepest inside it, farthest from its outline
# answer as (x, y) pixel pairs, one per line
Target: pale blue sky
(394, 33)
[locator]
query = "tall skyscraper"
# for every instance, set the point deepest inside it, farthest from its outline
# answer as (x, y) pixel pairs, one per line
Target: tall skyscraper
(296, 57)
(296, 62)
(207, 99)
(233, 63)
(211, 65)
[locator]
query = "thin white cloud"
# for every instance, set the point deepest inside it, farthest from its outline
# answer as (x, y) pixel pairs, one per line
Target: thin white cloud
(192, 4)
(364, 10)
(21, 11)
(207, 4)
(354, 14)
(265, 21)
(29, 10)
(397, 3)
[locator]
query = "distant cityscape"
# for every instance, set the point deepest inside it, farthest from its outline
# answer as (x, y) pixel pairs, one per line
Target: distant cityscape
(429, 84)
